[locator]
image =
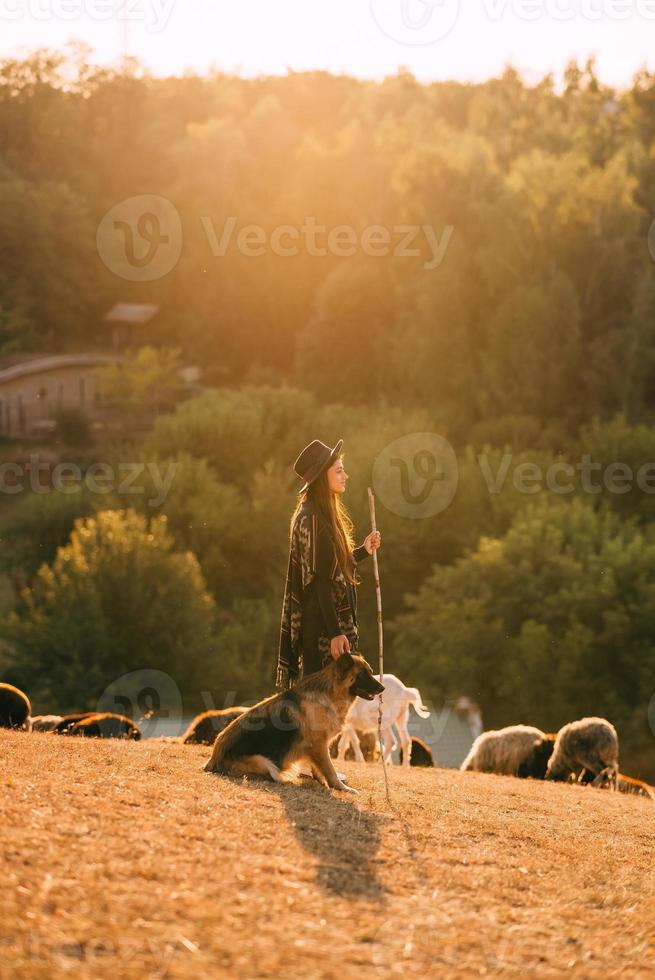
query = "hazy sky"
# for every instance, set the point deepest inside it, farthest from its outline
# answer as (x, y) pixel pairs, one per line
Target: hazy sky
(435, 39)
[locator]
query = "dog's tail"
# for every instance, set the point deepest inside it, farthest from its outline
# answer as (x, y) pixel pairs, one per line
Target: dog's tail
(417, 702)
(626, 784)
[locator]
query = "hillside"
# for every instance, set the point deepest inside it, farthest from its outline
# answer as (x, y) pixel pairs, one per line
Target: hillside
(126, 859)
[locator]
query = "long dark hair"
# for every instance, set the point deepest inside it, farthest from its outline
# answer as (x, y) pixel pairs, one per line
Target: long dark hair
(335, 514)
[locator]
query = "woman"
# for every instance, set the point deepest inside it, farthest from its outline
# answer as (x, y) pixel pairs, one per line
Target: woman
(319, 610)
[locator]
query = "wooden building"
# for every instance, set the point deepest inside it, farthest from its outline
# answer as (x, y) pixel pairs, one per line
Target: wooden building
(34, 390)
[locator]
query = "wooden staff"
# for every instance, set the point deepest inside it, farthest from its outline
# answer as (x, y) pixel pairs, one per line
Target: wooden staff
(378, 599)
(378, 593)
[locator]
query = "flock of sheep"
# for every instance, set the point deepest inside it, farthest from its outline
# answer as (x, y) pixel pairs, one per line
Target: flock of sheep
(585, 751)
(16, 712)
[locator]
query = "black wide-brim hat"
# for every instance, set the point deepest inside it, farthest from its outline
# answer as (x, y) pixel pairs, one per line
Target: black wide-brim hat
(315, 458)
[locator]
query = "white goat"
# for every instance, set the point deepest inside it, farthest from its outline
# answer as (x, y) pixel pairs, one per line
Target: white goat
(363, 717)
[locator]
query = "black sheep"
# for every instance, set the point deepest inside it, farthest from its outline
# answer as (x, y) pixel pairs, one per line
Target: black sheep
(205, 727)
(106, 725)
(15, 707)
(534, 766)
(420, 753)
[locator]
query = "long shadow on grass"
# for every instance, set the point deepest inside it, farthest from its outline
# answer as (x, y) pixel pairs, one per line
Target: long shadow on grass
(338, 834)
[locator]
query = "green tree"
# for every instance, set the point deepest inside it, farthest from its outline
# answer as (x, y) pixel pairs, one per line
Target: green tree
(145, 380)
(342, 348)
(237, 536)
(533, 361)
(625, 455)
(116, 598)
(248, 638)
(236, 430)
(37, 525)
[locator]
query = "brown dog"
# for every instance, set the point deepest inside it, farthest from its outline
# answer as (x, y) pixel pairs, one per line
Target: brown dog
(296, 725)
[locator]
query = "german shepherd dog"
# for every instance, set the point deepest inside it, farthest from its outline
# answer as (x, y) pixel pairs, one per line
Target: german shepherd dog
(296, 725)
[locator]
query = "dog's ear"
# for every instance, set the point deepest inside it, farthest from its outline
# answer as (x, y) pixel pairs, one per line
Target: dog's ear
(344, 663)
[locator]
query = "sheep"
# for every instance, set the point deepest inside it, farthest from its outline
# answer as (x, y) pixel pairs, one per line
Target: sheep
(421, 754)
(590, 743)
(502, 751)
(15, 707)
(45, 723)
(536, 762)
(206, 726)
(62, 727)
(105, 725)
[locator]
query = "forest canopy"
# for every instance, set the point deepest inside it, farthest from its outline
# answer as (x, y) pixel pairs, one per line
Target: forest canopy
(484, 247)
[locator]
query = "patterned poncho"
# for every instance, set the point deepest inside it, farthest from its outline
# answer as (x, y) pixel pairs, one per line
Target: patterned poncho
(301, 572)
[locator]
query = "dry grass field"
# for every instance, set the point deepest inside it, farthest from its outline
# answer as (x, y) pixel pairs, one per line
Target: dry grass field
(127, 860)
